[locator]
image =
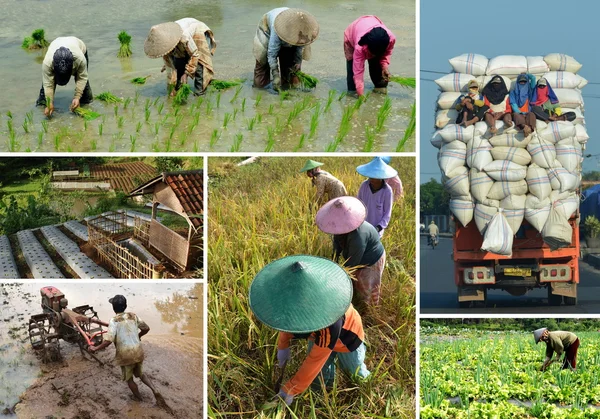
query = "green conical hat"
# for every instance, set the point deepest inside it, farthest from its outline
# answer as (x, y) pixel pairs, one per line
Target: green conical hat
(300, 294)
(310, 164)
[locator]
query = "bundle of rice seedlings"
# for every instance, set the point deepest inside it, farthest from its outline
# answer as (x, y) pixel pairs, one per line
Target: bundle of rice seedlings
(108, 97)
(307, 80)
(225, 84)
(86, 114)
(125, 49)
(182, 94)
(37, 40)
(404, 81)
(139, 80)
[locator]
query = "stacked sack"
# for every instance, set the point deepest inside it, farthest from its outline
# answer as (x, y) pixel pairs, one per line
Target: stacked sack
(499, 180)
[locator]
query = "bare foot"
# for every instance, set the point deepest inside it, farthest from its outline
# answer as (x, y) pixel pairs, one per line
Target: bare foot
(527, 130)
(493, 130)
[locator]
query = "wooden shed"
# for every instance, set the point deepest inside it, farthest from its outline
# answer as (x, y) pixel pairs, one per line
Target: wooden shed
(182, 192)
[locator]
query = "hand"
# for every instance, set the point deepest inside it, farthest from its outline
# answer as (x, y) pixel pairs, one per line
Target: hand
(74, 104)
(287, 398)
(49, 109)
(385, 73)
(184, 79)
(276, 79)
(295, 68)
(283, 355)
(190, 69)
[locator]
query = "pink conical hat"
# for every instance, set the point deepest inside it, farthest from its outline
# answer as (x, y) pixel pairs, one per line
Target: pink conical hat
(341, 215)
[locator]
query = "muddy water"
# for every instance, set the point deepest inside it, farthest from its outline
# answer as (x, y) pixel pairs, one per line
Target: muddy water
(234, 24)
(168, 310)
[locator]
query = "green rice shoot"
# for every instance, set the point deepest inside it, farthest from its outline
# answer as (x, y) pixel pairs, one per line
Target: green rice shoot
(182, 94)
(306, 80)
(225, 84)
(108, 97)
(86, 114)
(404, 81)
(139, 80)
(37, 40)
(125, 48)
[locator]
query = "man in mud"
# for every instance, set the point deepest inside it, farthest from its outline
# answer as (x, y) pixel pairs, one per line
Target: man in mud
(558, 342)
(123, 332)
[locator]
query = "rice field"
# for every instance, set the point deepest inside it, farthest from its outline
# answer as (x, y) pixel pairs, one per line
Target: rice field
(488, 374)
(261, 212)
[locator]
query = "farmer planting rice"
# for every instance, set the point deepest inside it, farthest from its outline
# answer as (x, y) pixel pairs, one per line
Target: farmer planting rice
(186, 46)
(282, 41)
(368, 39)
(376, 194)
(357, 241)
(309, 297)
(558, 342)
(66, 56)
(328, 186)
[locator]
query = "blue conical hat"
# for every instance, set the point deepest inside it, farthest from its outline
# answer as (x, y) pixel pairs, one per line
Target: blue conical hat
(377, 169)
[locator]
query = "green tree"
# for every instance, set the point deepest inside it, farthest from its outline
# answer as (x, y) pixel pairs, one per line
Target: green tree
(434, 199)
(593, 176)
(168, 164)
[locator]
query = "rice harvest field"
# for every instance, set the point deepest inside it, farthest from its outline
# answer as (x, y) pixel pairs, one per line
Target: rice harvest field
(488, 374)
(261, 212)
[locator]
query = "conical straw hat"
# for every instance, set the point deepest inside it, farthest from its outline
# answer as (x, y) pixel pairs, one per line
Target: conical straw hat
(296, 27)
(300, 294)
(537, 334)
(310, 164)
(341, 215)
(162, 39)
(377, 169)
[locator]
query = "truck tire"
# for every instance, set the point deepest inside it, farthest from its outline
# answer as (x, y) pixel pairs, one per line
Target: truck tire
(553, 299)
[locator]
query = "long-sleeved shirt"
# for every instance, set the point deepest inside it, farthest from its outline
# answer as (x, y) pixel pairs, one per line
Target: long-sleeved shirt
(378, 204)
(186, 48)
(359, 54)
(345, 335)
(433, 230)
(359, 247)
(396, 184)
(558, 341)
(328, 187)
(275, 42)
(78, 49)
(123, 332)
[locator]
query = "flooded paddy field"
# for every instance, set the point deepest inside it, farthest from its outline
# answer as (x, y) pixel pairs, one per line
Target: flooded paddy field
(77, 385)
(237, 119)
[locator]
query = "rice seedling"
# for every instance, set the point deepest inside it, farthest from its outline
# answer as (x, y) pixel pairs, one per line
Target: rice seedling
(191, 128)
(271, 109)
(37, 40)
(214, 137)
(257, 100)
(156, 147)
(199, 101)
(138, 127)
(250, 123)
(85, 125)
(156, 100)
(258, 118)
(283, 95)
(369, 139)
(270, 139)
(243, 104)
(139, 80)
(237, 143)
(120, 122)
(225, 84)
(208, 107)
(404, 81)
(172, 132)
(300, 142)
(108, 97)
(383, 113)
(25, 126)
(126, 103)
(147, 115)
(156, 128)
(125, 48)
(45, 125)
(93, 144)
(410, 129)
(314, 121)
(57, 142)
(307, 81)
(116, 110)
(329, 100)
(132, 141)
(342, 95)
(182, 95)
(9, 114)
(226, 119)
(182, 139)
(196, 147)
(136, 98)
(29, 117)
(235, 112)
(86, 114)
(236, 94)
(100, 129)
(13, 143)
(159, 107)
(218, 102)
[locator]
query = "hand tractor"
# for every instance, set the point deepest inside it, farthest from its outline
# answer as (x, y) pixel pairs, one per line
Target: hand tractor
(79, 326)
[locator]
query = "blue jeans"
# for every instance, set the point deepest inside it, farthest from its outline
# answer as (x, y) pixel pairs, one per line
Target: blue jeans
(352, 363)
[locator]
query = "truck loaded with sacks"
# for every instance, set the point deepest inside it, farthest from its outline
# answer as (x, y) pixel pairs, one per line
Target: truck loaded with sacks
(514, 191)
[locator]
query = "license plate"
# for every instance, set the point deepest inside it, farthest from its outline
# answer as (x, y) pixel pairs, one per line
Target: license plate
(517, 271)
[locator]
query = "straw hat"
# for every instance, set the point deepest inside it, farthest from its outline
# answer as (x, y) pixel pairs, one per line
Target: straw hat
(341, 215)
(537, 334)
(296, 27)
(300, 294)
(162, 39)
(310, 164)
(377, 169)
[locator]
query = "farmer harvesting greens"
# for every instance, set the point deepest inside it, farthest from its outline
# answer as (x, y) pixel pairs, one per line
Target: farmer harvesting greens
(328, 186)
(357, 241)
(186, 46)
(66, 56)
(282, 35)
(558, 342)
(368, 39)
(309, 297)
(376, 194)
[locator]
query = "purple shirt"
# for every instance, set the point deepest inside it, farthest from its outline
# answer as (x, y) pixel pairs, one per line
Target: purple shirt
(378, 204)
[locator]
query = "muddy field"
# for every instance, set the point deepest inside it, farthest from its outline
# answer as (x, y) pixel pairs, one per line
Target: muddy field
(78, 386)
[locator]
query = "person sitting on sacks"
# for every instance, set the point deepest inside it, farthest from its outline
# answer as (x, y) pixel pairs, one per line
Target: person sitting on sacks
(368, 39)
(470, 107)
(376, 194)
(559, 342)
(544, 103)
(309, 297)
(328, 186)
(522, 116)
(186, 46)
(357, 241)
(283, 34)
(495, 96)
(66, 56)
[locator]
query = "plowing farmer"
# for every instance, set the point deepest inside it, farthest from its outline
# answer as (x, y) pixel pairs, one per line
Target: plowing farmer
(123, 332)
(558, 342)
(186, 46)
(66, 56)
(376, 194)
(283, 35)
(328, 186)
(394, 182)
(309, 297)
(357, 241)
(368, 39)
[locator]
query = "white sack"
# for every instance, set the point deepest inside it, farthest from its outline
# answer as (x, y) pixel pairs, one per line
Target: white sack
(536, 65)
(451, 156)
(483, 215)
(462, 210)
(517, 139)
(556, 131)
(507, 65)
(514, 210)
(569, 98)
(447, 100)
(537, 211)
(501, 190)
(457, 182)
(474, 64)
(543, 153)
(569, 154)
(514, 218)
(480, 128)
(455, 82)
(513, 154)
(480, 184)
(569, 201)
(436, 140)
(562, 62)
(581, 134)
(538, 181)
(505, 170)
(498, 236)
(513, 202)
(445, 117)
(453, 132)
(557, 231)
(562, 180)
(565, 80)
(478, 153)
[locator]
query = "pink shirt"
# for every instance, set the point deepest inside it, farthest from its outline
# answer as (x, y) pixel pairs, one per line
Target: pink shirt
(396, 185)
(360, 54)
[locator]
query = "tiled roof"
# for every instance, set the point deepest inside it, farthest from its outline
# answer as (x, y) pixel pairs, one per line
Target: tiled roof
(123, 176)
(187, 187)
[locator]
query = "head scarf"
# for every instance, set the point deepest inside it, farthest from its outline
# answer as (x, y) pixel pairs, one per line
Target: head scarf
(551, 95)
(376, 40)
(520, 94)
(63, 65)
(495, 92)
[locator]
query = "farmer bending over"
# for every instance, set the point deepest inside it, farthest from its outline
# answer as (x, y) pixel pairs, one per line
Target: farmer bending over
(309, 297)
(328, 186)
(123, 332)
(558, 342)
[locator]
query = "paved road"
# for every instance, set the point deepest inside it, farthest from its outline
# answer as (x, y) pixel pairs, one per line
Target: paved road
(438, 292)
